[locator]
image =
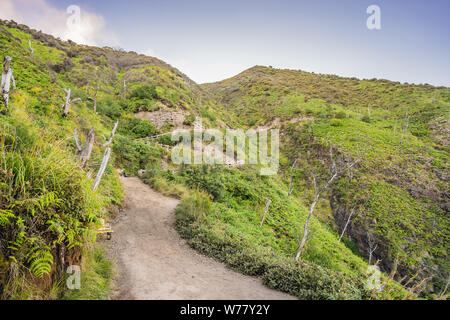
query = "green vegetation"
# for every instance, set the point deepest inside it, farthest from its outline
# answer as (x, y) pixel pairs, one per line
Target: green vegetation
(397, 131)
(96, 277)
(48, 211)
(216, 237)
(398, 190)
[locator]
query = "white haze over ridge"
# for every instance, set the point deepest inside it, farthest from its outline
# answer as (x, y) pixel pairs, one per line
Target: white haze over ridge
(40, 15)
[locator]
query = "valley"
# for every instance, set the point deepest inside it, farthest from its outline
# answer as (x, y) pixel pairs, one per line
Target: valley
(388, 205)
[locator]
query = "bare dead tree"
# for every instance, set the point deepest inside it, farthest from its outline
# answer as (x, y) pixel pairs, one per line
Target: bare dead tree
(84, 154)
(7, 77)
(68, 103)
(101, 171)
(346, 224)
(94, 97)
(317, 192)
(443, 294)
(97, 87)
(291, 188)
(405, 126)
(269, 201)
(372, 246)
(414, 290)
(434, 96)
(124, 88)
(106, 156)
(111, 137)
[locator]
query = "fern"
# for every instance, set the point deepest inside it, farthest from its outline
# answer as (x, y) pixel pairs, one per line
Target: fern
(41, 261)
(41, 202)
(4, 217)
(16, 244)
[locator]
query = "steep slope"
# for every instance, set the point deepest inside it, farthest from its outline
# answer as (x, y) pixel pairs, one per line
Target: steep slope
(48, 210)
(399, 189)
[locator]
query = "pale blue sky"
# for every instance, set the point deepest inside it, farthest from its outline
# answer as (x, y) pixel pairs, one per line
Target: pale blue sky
(213, 40)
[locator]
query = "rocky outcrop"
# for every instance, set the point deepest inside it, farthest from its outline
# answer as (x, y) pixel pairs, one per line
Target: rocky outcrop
(161, 117)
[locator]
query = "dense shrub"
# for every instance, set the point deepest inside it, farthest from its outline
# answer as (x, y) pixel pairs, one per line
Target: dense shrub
(166, 140)
(189, 120)
(366, 119)
(308, 281)
(109, 107)
(302, 279)
(64, 66)
(133, 155)
(205, 178)
(137, 128)
(206, 113)
(336, 122)
(144, 92)
(341, 115)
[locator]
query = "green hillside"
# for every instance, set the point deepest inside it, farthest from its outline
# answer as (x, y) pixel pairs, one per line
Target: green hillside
(398, 131)
(398, 190)
(49, 212)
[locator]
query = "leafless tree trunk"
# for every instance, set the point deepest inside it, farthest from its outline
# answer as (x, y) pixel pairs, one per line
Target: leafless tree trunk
(84, 154)
(95, 97)
(372, 246)
(68, 103)
(346, 224)
(269, 201)
(76, 141)
(350, 174)
(99, 81)
(404, 129)
(317, 192)
(124, 88)
(442, 295)
(7, 77)
(101, 171)
(311, 210)
(291, 188)
(111, 137)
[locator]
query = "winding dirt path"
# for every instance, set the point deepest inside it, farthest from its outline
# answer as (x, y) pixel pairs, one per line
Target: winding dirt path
(153, 262)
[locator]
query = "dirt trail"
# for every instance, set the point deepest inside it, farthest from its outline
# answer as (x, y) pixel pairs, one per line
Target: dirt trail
(153, 262)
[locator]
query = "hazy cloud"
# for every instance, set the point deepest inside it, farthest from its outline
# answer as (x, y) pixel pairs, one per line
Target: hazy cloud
(40, 15)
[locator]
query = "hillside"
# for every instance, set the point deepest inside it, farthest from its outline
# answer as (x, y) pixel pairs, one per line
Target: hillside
(49, 212)
(399, 188)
